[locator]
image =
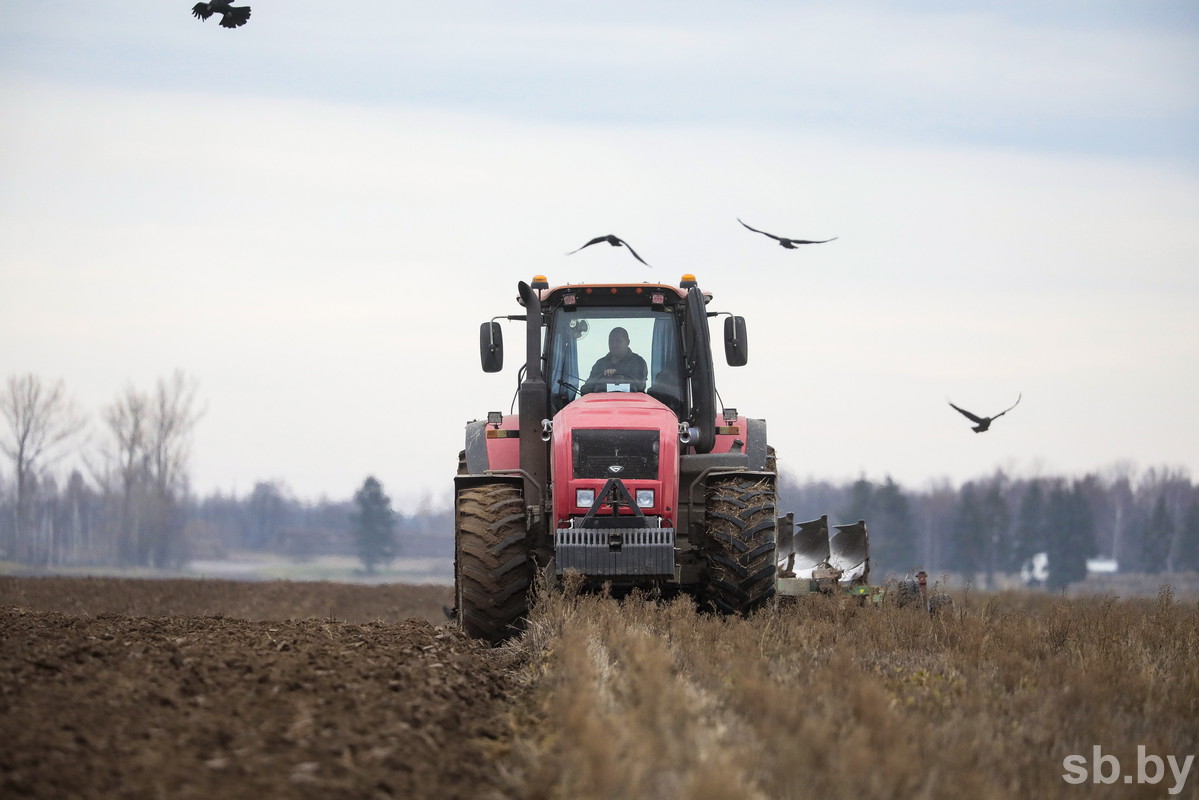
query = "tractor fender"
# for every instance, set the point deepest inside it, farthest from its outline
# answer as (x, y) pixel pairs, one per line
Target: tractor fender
(755, 443)
(477, 461)
(490, 448)
(752, 434)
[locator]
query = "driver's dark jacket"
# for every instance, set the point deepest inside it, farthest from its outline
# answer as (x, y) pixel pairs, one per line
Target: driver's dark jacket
(631, 366)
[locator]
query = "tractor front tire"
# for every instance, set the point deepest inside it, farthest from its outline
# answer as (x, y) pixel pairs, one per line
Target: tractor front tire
(740, 547)
(493, 569)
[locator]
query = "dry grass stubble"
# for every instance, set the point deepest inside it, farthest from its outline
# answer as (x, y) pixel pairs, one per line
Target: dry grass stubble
(830, 698)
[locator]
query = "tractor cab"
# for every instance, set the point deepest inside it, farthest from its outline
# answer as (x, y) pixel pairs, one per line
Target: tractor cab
(574, 331)
(615, 349)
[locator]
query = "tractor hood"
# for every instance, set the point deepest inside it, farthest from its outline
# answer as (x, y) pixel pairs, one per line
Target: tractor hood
(615, 410)
(625, 435)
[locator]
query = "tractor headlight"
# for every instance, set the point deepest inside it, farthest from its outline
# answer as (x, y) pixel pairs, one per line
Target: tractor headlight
(645, 498)
(584, 498)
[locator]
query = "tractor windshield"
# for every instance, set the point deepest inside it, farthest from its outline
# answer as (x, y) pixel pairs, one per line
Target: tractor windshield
(615, 350)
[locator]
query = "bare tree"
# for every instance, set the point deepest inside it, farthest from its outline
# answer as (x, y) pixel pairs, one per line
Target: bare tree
(128, 422)
(173, 416)
(151, 439)
(172, 419)
(41, 421)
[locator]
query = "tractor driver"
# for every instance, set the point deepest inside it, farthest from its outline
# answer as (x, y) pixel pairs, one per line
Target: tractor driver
(620, 362)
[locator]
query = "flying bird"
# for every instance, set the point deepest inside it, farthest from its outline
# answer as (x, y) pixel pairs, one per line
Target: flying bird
(231, 16)
(615, 241)
(983, 423)
(787, 243)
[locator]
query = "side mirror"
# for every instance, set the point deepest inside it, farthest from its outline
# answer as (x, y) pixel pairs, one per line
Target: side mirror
(491, 346)
(736, 348)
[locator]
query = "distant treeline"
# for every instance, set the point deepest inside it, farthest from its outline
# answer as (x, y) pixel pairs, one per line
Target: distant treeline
(131, 506)
(270, 519)
(80, 524)
(1148, 523)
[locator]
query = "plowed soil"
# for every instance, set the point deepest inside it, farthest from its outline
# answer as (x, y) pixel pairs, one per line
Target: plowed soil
(182, 689)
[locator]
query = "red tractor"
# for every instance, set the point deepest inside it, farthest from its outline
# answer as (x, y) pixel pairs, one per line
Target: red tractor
(619, 465)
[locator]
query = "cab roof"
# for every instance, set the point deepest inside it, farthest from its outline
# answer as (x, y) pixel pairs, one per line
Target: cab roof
(613, 294)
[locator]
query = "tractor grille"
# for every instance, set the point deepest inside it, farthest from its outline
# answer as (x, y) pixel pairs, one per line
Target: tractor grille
(634, 452)
(615, 551)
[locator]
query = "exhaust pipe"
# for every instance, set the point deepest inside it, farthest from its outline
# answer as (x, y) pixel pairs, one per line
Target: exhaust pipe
(532, 303)
(534, 403)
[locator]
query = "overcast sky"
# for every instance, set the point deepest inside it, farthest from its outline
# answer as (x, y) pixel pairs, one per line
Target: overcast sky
(312, 214)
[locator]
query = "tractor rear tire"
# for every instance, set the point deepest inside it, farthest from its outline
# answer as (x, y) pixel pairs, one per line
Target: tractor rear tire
(493, 569)
(740, 547)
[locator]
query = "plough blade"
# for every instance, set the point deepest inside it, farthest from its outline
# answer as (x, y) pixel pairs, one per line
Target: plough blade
(850, 548)
(804, 548)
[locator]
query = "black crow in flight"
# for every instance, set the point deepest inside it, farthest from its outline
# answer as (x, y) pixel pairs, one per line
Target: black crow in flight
(985, 422)
(615, 241)
(231, 16)
(787, 243)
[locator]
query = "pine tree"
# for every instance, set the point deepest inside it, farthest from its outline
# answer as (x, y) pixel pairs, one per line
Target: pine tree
(373, 525)
(890, 515)
(861, 499)
(995, 519)
(1157, 537)
(1029, 538)
(967, 531)
(1070, 536)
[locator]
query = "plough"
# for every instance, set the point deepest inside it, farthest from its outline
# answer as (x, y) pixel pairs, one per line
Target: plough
(813, 558)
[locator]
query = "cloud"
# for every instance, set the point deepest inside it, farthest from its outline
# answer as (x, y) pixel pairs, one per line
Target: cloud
(1058, 76)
